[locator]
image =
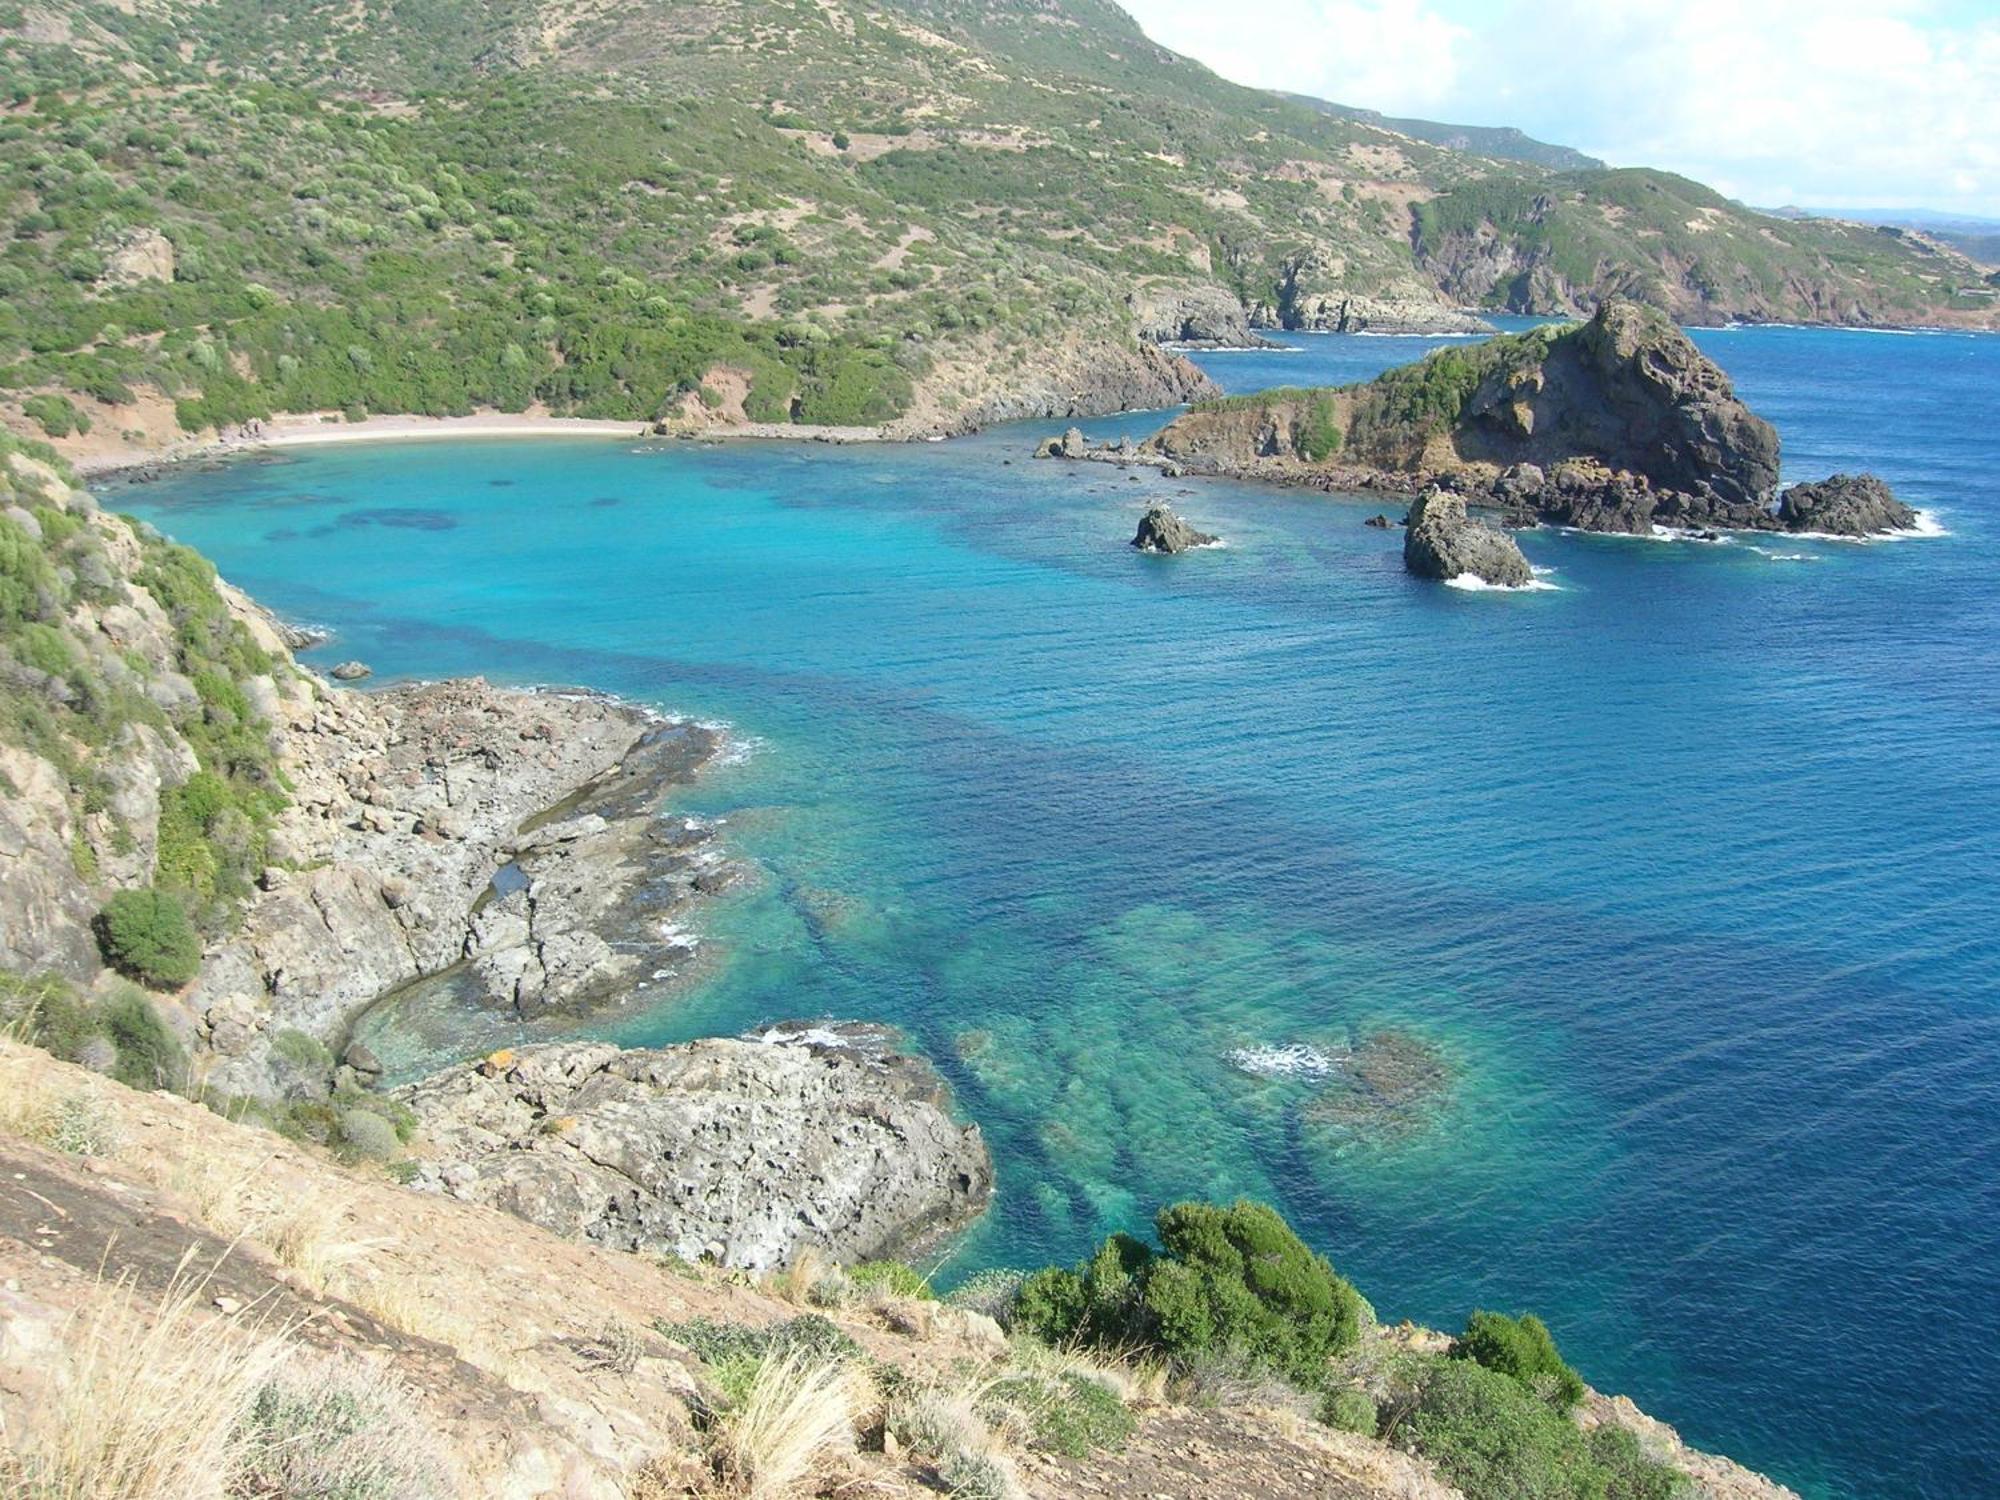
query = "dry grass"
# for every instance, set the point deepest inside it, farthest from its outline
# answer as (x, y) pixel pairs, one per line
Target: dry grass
(81, 1121)
(809, 1281)
(795, 1425)
(949, 1428)
(149, 1406)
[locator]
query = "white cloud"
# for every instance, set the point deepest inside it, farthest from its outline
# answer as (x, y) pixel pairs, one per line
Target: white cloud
(1857, 102)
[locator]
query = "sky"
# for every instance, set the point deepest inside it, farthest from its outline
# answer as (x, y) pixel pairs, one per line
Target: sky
(1819, 103)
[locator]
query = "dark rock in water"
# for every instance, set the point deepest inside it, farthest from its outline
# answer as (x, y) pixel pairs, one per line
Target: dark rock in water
(352, 671)
(1160, 530)
(304, 637)
(821, 1136)
(1072, 444)
(1845, 505)
(1379, 522)
(1443, 542)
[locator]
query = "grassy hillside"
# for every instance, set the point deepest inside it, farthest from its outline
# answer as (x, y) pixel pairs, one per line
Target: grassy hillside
(808, 211)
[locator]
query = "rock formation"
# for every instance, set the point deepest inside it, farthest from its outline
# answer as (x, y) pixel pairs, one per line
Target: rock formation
(398, 807)
(1160, 530)
(1204, 315)
(1616, 424)
(1443, 542)
(740, 1152)
(1844, 505)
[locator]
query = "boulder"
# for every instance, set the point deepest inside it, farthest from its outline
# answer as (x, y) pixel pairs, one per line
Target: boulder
(1072, 444)
(1444, 542)
(1844, 505)
(742, 1151)
(1160, 530)
(352, 671)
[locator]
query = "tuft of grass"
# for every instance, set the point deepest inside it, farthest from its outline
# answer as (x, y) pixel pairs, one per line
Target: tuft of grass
(150, 1403)
(796, 1423)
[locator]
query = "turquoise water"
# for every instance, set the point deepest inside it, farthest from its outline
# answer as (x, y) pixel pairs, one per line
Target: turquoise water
(1686, 868)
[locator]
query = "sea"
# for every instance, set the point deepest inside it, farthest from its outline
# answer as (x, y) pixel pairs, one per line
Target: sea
(1626, 949)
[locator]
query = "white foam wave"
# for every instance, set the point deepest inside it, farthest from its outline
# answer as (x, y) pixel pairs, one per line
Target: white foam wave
(799, 1036)
(1928, 528)
(1472, 583)
(1294, 1060)
(1682, 534)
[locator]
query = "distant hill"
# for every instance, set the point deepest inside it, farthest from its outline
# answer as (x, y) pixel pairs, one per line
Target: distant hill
(935, 213)
(1969, 234)
(1501, 141)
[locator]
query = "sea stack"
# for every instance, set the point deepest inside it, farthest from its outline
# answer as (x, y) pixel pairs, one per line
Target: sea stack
(1845, 505)
(1160, 530)
(1444, 542)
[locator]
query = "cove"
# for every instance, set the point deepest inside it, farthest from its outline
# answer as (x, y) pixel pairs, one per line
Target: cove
(1683, 872)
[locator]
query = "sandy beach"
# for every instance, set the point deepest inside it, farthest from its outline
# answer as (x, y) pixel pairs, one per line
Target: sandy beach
(298, 430)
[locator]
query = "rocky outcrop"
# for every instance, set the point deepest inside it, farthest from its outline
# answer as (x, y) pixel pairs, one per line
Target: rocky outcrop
(1160, 530)
(136, 256)
(351, 671)
(1206, 316)
(1311, 294)
(376, 866)
(406, 804)
(1617, 424)
(1070, 376)
(1443, 542)
(740, 1152)
(1845, 505)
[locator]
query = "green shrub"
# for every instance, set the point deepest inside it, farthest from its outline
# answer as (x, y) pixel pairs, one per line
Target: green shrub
(993, 1292)
(149, 1055)
(1350, 1411)
(1234, 1281)
(1068, 1412)
(1634, 1474)
(367, 1134)
(146, 933)
(1492, 1438)
(1523, 1349)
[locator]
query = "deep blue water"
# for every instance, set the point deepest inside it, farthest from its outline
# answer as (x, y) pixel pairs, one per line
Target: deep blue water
(1687, 866)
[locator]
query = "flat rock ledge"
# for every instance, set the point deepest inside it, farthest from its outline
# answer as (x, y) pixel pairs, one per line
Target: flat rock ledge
(1443, 542)
(740, 1151)
(1160, 530)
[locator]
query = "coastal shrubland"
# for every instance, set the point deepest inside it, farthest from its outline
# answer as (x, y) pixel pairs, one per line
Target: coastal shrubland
(214, 213)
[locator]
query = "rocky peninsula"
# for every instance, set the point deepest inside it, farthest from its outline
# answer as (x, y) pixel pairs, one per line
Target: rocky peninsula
(1615, 424)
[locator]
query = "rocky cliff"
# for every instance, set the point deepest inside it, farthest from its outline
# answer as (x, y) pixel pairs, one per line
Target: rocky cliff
(311, 847)
(1615, 424)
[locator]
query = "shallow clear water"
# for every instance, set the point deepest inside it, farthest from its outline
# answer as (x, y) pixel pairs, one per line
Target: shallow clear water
(1687, 867)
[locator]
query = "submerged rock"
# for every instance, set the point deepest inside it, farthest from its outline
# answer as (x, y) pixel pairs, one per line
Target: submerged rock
(1390, 1085)
(740, 1151)
(1845, 505)
(1160, 530)
(1444, 542)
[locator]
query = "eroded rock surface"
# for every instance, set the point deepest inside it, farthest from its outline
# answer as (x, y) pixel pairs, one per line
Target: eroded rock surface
(743, 1152)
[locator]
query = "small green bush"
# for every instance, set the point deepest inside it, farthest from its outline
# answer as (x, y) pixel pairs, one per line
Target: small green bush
(146, 933)
(1523, 1349)
(337, 1430)
(149, 1055)
(1633, 1473)
(1233, 1281)
(1350, 1411)
(367, 1134)
(1493, 1438)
